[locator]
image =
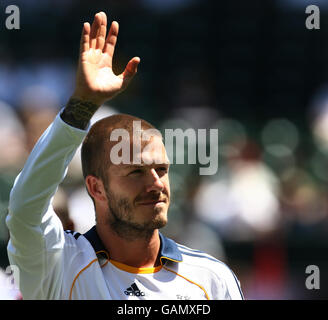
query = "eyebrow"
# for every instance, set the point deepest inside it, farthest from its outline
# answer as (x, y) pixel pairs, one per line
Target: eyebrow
(130, 166)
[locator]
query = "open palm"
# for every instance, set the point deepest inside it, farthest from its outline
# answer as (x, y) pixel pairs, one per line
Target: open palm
(95, 78)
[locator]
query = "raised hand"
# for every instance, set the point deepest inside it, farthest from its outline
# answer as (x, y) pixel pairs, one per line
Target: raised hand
(95, 81)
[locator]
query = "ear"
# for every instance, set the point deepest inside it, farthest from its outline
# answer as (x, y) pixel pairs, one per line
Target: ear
(95, 188)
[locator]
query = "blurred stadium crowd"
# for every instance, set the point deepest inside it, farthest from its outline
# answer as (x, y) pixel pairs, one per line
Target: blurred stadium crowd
(251, 69)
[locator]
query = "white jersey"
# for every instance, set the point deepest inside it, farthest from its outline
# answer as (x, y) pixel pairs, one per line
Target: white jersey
(58, 264)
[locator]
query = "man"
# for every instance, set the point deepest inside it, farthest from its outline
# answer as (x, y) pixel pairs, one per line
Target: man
(123, 256)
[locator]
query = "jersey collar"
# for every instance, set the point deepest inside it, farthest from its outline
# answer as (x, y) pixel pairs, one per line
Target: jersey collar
(168, 250)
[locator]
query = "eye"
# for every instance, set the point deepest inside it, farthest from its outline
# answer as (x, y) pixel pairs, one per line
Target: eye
(136, 171)
(162, 170)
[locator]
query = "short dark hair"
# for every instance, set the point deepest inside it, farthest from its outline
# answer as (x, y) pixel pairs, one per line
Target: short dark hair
(96, 147)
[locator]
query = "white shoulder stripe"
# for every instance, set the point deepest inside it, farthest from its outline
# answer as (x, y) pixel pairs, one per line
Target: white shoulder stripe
(189, 249)
(185, 247)
(201, 255)
(197, 253)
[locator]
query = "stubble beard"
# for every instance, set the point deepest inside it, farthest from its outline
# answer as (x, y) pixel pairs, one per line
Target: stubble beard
(120, 219)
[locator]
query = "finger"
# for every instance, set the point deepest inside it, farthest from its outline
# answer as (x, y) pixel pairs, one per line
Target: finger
(85, 37)
(111, 39)
(130, 70)
(94, 30)
(101, 35)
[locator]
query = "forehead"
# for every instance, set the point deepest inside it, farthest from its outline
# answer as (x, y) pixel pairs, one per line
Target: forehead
(136, 152)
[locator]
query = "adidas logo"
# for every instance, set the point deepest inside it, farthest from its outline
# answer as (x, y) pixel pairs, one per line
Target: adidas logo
(133, 290)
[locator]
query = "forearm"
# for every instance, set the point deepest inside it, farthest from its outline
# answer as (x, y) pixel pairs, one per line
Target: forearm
(78, 112)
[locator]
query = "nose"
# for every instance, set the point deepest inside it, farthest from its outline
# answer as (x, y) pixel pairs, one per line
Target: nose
(155, 183)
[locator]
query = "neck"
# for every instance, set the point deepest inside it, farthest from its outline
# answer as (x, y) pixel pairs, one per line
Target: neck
(141, 252)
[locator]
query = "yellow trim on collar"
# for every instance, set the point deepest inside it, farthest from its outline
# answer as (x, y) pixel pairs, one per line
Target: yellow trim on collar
(106, 254)
(130, 269)
(160, 259)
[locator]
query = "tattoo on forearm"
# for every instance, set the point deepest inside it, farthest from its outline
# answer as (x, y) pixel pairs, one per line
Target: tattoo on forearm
(77, 113)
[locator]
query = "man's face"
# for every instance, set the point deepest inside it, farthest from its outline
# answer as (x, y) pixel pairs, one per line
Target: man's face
(138, 195)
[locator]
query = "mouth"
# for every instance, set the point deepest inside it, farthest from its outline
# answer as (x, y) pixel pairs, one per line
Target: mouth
(152, 202)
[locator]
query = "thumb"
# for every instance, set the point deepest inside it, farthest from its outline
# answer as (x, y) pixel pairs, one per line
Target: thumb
(130, 70)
